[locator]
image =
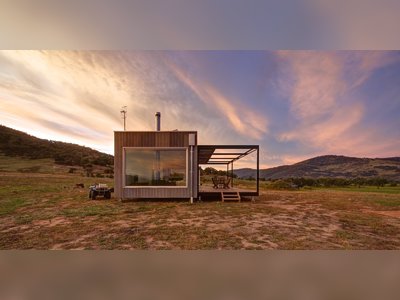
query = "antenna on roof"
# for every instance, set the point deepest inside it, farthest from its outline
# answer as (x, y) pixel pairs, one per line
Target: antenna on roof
(123, 112)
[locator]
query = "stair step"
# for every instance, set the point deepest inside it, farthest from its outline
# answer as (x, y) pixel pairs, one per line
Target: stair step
(230, 196)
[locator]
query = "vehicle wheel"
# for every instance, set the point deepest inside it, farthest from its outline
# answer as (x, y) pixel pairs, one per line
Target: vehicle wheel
(107, 195)
(94, 194)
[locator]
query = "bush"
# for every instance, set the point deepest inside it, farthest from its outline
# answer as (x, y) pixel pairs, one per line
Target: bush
(307, 187)
(281, 184)
(33, 169)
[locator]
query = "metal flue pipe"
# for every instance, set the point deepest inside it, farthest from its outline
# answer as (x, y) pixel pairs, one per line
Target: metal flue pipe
(158, 121)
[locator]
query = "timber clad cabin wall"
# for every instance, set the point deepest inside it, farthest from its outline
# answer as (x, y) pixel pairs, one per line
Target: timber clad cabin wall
(152, 139)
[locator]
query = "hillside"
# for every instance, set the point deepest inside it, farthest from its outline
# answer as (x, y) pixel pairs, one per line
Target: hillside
(332, 166)
(14, 143)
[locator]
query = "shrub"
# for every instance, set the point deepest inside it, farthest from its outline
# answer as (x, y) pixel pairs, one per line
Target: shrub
(281, 184)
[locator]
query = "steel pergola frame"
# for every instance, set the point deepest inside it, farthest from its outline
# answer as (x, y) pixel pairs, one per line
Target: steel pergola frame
(206, 156)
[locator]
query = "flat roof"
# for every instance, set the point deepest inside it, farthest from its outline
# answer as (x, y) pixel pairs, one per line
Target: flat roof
(139, 131)
(222, 154)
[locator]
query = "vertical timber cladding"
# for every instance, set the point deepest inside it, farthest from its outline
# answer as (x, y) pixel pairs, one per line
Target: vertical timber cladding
(162, 139)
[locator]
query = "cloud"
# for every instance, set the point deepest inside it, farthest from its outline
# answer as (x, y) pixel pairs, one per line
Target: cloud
(316, 81)
(80, 91)
(49, 82)
(242, 119)
(361, 64)
(83, 91)
(328, 134)
(325, 103)
(321, 93)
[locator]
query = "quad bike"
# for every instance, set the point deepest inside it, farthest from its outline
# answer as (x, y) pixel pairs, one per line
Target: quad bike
(100, 189)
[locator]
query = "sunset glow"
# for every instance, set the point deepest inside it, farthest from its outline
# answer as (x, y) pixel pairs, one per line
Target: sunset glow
(295, 104)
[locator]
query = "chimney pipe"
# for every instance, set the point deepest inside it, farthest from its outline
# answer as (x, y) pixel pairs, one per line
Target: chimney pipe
(158, 121)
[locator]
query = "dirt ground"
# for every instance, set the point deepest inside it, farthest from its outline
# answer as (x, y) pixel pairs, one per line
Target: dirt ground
(47, 212)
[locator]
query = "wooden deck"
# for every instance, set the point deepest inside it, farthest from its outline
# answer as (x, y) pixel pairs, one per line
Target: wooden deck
(209, 190)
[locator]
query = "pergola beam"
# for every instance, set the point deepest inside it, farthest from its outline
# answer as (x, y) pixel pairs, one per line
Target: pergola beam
(230, 158)
(228, 153)
(228, 146)
(207, 154)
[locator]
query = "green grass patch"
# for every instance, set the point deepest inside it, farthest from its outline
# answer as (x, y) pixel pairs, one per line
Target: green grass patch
(24, 219)
(366, 223)
(386, 203)
(10, 206)
(364, 189)
(320, 219)
(96, 210)
(20, 164)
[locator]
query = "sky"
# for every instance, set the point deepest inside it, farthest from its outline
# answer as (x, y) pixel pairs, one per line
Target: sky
(294, 104)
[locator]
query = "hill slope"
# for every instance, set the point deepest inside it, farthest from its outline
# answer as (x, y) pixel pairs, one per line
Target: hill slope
(14, 143)
(333, 166)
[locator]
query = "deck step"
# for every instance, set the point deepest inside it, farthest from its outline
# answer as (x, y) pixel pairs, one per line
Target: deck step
(230, 196)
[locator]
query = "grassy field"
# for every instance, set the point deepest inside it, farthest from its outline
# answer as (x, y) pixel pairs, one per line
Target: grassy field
(40, 211)
(367, 189)
(18, 164)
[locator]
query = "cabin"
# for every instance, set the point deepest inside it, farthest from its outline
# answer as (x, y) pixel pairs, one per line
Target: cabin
(169, 165)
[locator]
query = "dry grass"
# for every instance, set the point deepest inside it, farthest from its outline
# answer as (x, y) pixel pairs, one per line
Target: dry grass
(40, 211)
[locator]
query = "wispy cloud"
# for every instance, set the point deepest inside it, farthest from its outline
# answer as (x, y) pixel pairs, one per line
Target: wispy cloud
(45, 88)
(50, 92)
(316, 82)
(337, 102)
(244, 120)
(321, 94)
(328, 135)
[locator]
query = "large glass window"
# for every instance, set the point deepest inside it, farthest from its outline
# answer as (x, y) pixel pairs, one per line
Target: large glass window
(155, 167)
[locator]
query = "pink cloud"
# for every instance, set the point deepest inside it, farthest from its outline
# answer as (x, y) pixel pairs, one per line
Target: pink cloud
(319, 92)
(328, 134)
(316, 81)
(244, 120)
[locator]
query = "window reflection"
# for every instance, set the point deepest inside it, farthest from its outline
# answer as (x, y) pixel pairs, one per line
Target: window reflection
(155, 167)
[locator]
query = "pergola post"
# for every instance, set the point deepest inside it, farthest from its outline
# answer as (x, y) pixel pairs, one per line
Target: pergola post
(258, 170)
(232, 174)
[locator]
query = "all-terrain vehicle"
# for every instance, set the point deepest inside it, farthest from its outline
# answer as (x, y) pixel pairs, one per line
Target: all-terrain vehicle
(100, 189)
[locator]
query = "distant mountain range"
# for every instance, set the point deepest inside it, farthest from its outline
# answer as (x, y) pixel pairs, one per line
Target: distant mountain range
(332, 166)
(19, 144)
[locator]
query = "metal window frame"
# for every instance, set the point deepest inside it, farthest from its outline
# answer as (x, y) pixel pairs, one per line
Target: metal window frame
(155, 186)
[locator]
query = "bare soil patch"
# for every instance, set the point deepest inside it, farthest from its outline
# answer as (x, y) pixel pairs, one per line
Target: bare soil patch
(39, 212)
(388, 213)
